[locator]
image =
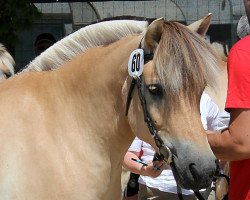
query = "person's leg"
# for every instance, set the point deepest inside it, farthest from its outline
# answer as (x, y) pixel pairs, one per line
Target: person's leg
(144, 192)
(147, 193)
(134, 197)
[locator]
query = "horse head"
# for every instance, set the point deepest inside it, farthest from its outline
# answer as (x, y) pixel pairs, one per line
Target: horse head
(173, 80)
(6, 63)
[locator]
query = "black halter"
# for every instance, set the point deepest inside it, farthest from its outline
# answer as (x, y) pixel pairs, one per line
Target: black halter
(138, 81)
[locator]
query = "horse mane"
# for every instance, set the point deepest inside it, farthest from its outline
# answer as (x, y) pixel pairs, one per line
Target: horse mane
(127, 17)
(6, 59)
(221, 50)
(102, 33)
(187, 63)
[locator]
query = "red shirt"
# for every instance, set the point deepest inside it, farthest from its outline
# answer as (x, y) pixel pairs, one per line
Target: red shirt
(238, 96)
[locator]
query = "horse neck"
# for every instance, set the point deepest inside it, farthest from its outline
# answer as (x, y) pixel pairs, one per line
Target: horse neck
(107, 64)
(219, 93)
(99, 74)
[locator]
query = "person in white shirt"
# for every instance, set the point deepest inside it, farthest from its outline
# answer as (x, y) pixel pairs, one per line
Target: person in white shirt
(156, 180)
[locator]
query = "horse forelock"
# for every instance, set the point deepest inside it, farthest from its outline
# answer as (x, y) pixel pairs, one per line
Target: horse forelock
(221, 50)
(94, 35)
(184, 62)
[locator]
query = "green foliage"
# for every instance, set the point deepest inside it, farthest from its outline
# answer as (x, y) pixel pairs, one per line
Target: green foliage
(15, 16)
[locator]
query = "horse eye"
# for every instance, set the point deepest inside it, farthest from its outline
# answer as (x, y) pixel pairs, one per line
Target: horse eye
(155, 89)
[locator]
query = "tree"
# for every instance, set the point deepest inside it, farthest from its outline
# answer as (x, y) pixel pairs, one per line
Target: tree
(15, 16)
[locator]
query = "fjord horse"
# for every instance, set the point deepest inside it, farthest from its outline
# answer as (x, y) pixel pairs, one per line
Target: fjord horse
(70, 132)
(6, 63)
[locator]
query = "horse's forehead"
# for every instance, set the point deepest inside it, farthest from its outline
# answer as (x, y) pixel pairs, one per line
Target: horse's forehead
(149, 75)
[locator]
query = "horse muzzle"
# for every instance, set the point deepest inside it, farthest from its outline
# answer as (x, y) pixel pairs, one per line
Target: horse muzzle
(194, 172)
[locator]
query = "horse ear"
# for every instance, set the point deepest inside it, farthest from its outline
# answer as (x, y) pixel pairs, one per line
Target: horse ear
(153, 34)
(201, 26)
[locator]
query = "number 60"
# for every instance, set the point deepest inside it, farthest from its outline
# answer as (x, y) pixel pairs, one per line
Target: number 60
(136, 62)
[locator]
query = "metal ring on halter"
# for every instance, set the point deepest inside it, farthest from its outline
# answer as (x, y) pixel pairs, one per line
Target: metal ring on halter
(167, 154)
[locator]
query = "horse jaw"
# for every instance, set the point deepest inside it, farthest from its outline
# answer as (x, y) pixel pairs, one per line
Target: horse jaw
(201, 26)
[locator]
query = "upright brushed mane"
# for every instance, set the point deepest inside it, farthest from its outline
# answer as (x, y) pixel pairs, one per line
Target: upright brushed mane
(221, 50)
(102, 33)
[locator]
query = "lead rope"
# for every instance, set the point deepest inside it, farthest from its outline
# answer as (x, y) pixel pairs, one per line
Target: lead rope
(180, 196)
(179, 192)
(198, 195)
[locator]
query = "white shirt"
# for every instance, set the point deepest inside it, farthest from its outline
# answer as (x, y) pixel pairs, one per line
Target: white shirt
(211, 119)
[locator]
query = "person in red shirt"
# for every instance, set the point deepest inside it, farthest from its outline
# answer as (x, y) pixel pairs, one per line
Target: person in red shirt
(233, 143)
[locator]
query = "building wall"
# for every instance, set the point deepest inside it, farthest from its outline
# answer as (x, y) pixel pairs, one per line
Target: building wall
(149, 9)
(24, 51)
(224, 11)
(180, 10)
(63, 18)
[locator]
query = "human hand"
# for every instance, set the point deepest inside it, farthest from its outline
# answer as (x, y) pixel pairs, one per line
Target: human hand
(153, 169)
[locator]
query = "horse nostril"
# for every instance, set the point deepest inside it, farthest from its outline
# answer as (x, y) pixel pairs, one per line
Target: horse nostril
(194, 171)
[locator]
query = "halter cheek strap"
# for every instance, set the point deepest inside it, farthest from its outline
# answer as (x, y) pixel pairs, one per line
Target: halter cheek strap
(147, 57)
(167, 157)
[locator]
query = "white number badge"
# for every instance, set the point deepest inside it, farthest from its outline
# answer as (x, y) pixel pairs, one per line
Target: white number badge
(136, 63)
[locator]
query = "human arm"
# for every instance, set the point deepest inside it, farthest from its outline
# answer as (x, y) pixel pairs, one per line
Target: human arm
(233, 143)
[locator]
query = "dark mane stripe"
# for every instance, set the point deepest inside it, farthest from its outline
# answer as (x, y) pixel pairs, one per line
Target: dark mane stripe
(189, 63)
